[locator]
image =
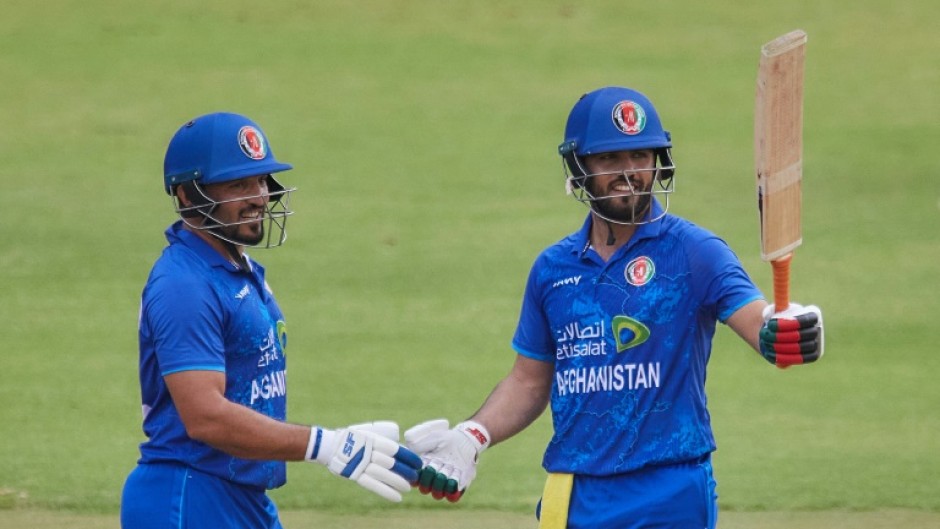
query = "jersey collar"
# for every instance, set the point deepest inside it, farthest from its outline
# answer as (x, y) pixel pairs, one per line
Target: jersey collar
(643, 231)
(177, 233)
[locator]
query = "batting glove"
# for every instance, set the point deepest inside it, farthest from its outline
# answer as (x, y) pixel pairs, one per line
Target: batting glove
(449, 455)
(368, 454)
(792, 337)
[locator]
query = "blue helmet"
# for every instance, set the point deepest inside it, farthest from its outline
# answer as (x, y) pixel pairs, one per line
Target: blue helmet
(614, 119)
(217, 148)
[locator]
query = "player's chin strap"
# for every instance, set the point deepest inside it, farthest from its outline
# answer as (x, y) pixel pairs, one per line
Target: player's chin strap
(238, 257)
(611, 240)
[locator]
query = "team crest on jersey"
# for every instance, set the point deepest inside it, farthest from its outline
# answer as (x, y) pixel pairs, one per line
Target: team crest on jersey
(639, 271)
(252, 142)
(629, 117)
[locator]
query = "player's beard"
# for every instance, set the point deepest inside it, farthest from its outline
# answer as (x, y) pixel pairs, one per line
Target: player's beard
(247, 234)
(628, 209)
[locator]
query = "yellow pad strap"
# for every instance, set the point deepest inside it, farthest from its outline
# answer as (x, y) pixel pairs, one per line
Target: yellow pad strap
(555, 499)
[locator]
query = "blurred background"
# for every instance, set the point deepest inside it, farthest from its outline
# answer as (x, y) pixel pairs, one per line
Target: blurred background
(423, 136)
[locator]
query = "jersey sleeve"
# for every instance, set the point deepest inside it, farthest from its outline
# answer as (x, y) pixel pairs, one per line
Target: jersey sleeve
(725, 285)
(186, 319)
(533, 337)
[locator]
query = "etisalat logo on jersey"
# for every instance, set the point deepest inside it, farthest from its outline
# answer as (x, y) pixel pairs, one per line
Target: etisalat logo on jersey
(576, 339)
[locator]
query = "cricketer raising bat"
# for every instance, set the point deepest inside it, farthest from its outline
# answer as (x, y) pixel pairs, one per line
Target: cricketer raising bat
(778, 149)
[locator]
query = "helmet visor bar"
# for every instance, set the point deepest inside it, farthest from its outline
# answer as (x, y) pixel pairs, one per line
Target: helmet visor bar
(274, 216)
(661, 185)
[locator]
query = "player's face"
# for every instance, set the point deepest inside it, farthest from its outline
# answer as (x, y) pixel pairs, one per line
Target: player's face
(241, 208)
(621, 183)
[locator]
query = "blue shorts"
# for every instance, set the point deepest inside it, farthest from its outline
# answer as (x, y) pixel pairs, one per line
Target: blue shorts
(676, 496)
(172, 496)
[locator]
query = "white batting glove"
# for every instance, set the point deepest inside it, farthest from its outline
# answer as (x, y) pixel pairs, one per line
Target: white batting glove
(368, 454)
(793, 336)
(449, 455)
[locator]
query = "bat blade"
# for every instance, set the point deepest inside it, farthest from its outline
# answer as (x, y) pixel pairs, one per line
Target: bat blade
(778, 154)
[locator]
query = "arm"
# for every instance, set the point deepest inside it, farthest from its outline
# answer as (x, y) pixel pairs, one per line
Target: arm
(362, 453)
(518, 400)
(747, 322)
(199, 397)
(450, 455)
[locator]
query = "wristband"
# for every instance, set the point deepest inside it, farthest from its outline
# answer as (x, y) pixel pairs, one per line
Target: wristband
(319, 447)
(477, 433)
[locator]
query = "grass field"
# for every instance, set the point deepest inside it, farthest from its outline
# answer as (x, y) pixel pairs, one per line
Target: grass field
(423, 136)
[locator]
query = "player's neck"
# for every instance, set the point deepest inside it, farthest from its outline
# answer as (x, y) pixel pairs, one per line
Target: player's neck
(608, 237)
(233, 252)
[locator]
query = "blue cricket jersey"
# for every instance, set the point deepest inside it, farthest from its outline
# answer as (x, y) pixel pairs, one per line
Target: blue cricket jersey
(630, 340)
(199, 311)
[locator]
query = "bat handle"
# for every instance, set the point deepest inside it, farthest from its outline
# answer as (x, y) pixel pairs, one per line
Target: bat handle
(781, 271)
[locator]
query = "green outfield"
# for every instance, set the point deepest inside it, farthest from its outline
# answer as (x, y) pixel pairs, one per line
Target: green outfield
(423, 136)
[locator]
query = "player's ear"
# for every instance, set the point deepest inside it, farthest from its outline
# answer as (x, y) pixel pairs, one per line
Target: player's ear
(181, 196)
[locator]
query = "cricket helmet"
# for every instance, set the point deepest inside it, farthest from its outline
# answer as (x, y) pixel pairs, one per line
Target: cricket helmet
(615, 119)
(221, 147)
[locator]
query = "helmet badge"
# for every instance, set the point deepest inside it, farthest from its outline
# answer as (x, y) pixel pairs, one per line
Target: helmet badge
(629, 117)
(252, 142)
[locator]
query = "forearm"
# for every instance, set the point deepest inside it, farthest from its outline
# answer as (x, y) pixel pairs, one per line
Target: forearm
(517, 401)
(230, 427)
(245, 433)
(747, 322)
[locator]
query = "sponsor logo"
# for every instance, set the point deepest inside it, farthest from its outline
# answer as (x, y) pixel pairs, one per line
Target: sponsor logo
(577, 339)
(639, 271)
(628, 332)
(349, 444)
(629, 117)
(243, 293)
(252, 142)
(268, 350)
(282, 334)
(477, 434)
(573, 280)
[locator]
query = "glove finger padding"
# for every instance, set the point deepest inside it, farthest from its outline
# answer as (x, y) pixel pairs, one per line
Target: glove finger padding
(386, 476)
(425, 437)
(386, 429)
(379, 487)
(372, 460)
(449, 456)
(792, 337)
(397, 459)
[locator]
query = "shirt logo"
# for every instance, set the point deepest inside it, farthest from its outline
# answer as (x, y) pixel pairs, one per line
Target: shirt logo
(639, 271)
(243, 293)
(252, 142)
(629, 117)
(573, 280)
(628, 333)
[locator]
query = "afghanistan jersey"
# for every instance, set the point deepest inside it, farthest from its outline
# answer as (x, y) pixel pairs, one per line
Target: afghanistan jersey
(199, 311)
(630, 340)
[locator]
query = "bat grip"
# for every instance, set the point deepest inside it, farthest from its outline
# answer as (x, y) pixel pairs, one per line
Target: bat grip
(781, 271)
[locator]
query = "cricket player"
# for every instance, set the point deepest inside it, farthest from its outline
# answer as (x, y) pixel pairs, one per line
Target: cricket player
(615, 333)
(213, 345)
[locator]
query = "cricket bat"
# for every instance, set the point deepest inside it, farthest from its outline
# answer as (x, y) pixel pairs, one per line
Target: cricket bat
(778, 155)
